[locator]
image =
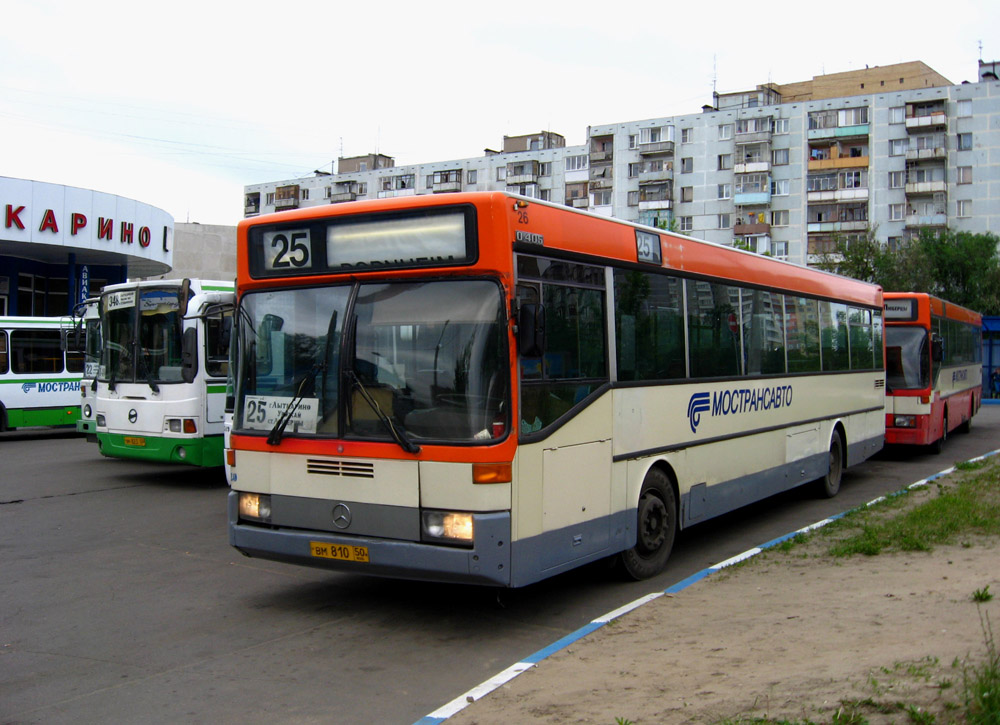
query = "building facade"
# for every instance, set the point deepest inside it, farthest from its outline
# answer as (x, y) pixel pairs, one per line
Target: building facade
(786, 170)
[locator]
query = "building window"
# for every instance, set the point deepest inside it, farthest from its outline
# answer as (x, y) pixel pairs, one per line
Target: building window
(897, 114)
(602, 197)
(965, 107)
(779, 126)
(304, 194)
(362, 188)
(725, 191)
(501, 173)
(964, 207)
(894, 243)
(685, 135)
(964, 141)
(684, 223)
(429, 181)
(633, 198)
(897, 179)
(964, 174)
(575, 163)
(898, 146)
(633, 141)
(779, 157)
(472, 176)
(545, 168)
(725, 131)
(724, 222)
(779, 187)
(725, 162)
(897, 212)
(545, 194)
(687, 165)
(779, 218)
(269, 198)
(687, 193)
(633, 170)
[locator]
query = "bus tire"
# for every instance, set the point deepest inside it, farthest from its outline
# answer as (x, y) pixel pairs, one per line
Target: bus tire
(656, 527)
(3, 418)
(829, 485)
(966, 425)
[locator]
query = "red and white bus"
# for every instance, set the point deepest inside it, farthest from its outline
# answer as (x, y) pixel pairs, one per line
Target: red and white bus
(492, 389)
(934, 369)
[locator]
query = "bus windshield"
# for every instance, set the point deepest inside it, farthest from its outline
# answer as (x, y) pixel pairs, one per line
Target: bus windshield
(907, 358)
(142, 341)
(428, 359)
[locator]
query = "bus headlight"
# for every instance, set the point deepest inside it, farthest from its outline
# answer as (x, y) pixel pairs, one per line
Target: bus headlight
(255, 506)
(905, 421)
(87, 411)
(101, 421)
(447, 527)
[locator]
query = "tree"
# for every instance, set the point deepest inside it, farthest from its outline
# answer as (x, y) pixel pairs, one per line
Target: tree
(960, 267)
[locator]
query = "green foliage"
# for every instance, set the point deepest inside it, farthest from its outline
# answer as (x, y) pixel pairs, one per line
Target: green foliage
(960, 267)
(982, 595)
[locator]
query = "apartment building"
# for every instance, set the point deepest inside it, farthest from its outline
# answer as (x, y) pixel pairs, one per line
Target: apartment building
(785, 170)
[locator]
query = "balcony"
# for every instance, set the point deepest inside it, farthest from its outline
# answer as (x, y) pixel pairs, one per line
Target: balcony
(252, 206)
(599, 156)
(284, 204)
(838, 196)
(580, 202)
(664, 174)
(926, 220)
(756, 228)
(935, 119)
(918, 188)
(752, 198)
(342, 196)
(646, 204)
(654, 148)
(753, 137)
(286, 197)
(843, 162)
(443, 187)
(752, 166)
(523, 173)
(849, 226)
(838, 132)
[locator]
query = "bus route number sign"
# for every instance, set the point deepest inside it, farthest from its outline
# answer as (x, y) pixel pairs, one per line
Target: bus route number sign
(287, 250)
(647, 247)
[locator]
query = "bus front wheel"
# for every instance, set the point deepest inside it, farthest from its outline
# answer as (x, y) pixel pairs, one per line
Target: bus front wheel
(656, 527)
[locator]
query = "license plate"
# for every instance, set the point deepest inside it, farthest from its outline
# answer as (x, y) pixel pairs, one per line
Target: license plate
(135, 441)
(339, 551)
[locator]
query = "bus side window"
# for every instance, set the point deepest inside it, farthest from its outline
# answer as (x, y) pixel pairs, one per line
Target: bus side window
(4, 362)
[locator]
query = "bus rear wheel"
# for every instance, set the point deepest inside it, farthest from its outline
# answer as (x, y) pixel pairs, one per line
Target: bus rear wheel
(938, 445)
(829, 485)
(656, 527)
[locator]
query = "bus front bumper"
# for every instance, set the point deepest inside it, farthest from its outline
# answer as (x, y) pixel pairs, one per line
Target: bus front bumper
(205, 451)
(487, 562)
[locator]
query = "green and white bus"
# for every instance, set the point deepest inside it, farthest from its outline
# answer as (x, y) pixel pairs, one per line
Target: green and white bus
(161, 381)
(39, 380)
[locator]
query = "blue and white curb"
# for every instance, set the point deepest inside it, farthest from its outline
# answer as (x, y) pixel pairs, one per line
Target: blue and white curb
(502, 678)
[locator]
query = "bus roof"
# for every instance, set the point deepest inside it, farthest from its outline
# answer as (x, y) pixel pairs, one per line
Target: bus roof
(552, 226)
(928, 304)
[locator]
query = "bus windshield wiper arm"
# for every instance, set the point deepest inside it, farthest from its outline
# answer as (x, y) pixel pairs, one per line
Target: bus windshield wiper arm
(149, 373)
(274, 437)
(399, 436)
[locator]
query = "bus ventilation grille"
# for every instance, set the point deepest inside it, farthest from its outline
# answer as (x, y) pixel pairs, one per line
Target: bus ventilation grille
(879, 384)
(351, 469)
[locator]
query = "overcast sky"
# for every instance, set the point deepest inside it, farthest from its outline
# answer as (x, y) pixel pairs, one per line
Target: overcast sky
(181, 104)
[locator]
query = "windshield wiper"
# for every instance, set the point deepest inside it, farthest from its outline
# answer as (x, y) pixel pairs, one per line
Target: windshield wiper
(149, 373)
(398, 435)
(274, 437)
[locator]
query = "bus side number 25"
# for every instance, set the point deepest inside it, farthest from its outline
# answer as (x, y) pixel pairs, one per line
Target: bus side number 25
(291, 250)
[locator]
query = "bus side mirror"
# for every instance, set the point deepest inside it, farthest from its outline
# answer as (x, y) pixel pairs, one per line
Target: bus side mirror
(531, 330)
(937, 349)
(189, 355)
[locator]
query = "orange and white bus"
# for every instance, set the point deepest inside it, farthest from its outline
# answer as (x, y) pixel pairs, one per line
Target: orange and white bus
(934, 369)
(492, 389)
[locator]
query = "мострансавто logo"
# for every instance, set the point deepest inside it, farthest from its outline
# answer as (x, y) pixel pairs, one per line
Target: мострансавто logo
(737, 401)
(52, 386)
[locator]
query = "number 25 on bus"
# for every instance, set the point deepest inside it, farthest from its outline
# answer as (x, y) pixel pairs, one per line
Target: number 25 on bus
(491, 389)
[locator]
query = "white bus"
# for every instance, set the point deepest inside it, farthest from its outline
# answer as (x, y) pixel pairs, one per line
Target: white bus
(39, 380)
(161, 382)
(492, 389)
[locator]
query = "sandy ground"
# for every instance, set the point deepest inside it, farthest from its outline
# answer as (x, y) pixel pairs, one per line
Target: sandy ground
(786, 635)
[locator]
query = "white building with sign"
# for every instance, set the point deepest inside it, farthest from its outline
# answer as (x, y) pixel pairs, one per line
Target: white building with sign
(59, 244)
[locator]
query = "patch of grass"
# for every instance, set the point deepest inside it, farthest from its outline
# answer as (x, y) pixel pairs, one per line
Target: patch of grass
(981, 683)
(982, 595)
(969, 505)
